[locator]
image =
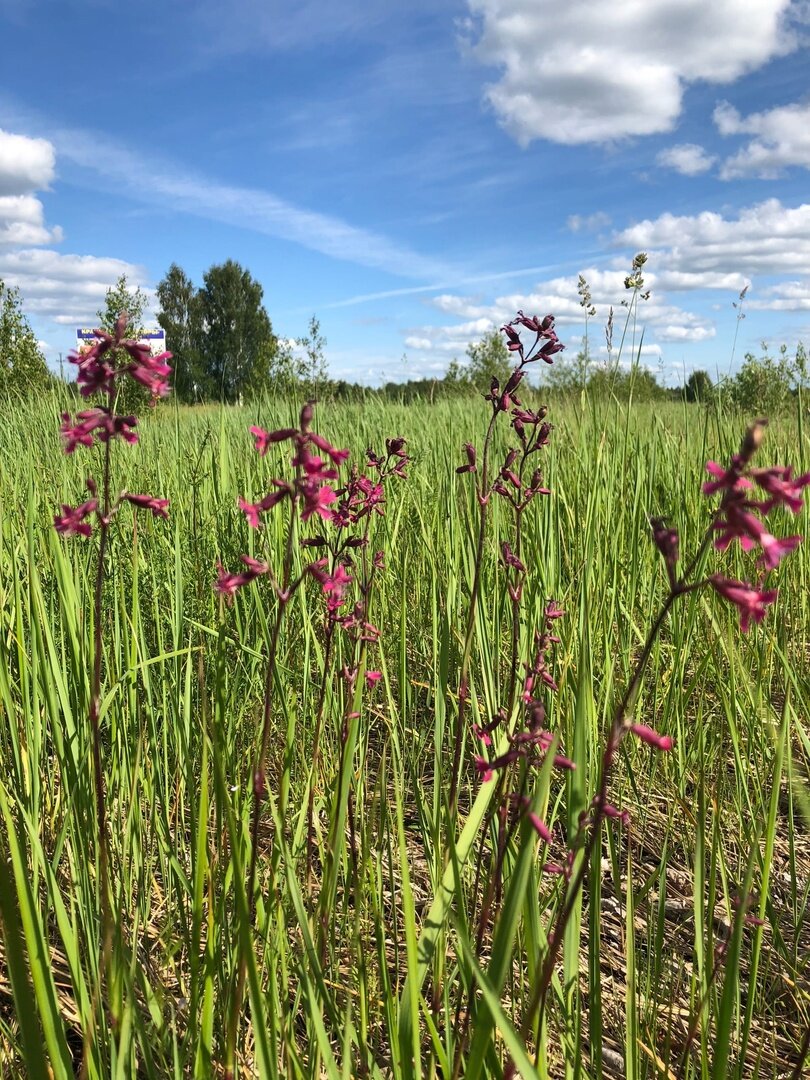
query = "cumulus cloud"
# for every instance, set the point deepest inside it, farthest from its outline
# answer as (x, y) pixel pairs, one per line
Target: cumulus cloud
(767, 238)
(25, 164)
(665, 322)
(784, 296)
(22, 222)
(782, 140)
(689, 159)
(67, 289)
(579, 74)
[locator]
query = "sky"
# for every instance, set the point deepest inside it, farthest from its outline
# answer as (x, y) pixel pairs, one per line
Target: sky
(414, 174)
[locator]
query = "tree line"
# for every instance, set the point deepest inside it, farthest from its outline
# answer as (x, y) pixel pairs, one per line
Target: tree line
(225, 349)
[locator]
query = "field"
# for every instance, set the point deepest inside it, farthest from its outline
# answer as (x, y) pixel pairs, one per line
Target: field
(365, 948)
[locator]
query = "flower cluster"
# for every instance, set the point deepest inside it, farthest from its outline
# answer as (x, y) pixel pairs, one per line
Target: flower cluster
(347, 509)
(313, 473)
(100, 365)
(740, 518)
(360, 499)
(531, 741)
(100, 368)
(545, 345)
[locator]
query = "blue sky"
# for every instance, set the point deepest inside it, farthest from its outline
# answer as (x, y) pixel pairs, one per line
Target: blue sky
(414, 174)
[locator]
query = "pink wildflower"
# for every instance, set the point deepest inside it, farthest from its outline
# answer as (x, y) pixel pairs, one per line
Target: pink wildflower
(227, 584)
(783, 490)
(252, 510)
(750, 601)
(317, 500)
(730, 480)
(337, 456)
(147, 502)
(264, 439)
(651, 737)
(71, 522)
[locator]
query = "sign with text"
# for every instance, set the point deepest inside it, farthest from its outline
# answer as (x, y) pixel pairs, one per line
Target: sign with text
(155, 339)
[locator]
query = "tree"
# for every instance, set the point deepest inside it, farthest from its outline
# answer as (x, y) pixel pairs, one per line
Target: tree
(179, 316)
(22, 365)
(120, 297)
(235, 333)
(312, 369)
(566, 376)
(487, 359)
(699, 387)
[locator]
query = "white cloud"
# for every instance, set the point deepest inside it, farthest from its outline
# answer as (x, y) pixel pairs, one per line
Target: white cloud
(68, 289)
(767, 238)
(22, 222)
(782, 140)
(664, 322)
(165, 184)
(65, 289)
(784, 296)
(689, 159)
(588, 222)
(580, 73)
(25, 164)
(421, 343)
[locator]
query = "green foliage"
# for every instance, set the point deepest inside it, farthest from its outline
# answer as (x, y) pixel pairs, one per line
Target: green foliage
(119, 298)
(179, 316)
(487, 359)
(235, 330)
(638, 384)
(183, 679)
(223, 342)
(22, 366)
(567, 376)
(698, 387)
(766, 384)
(312, 371)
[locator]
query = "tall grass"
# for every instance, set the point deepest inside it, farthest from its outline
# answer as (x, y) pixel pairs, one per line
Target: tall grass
(659, 974)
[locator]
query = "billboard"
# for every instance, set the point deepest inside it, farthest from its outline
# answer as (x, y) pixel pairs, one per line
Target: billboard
(155, 339)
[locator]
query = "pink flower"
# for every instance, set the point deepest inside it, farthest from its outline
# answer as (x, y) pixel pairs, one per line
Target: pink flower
(725, 479)
(652, 738)
(254, 565)
(317, 500)
(314, 467)
(617, 815)
(94, 374)
(80, 433)
(666, 540)
(373, 677)
(147, 502)
(514, 344)
(540, 827)
(227, 584)
(510, 559)
(469, 449)
(782, 489)
(746, 527)
(252, 510)
(264, 439)
(750, 602)
(151, 371)
(337, 456)
(71, 522)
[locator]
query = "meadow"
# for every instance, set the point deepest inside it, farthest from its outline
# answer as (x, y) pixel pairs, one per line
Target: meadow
(398, 922)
